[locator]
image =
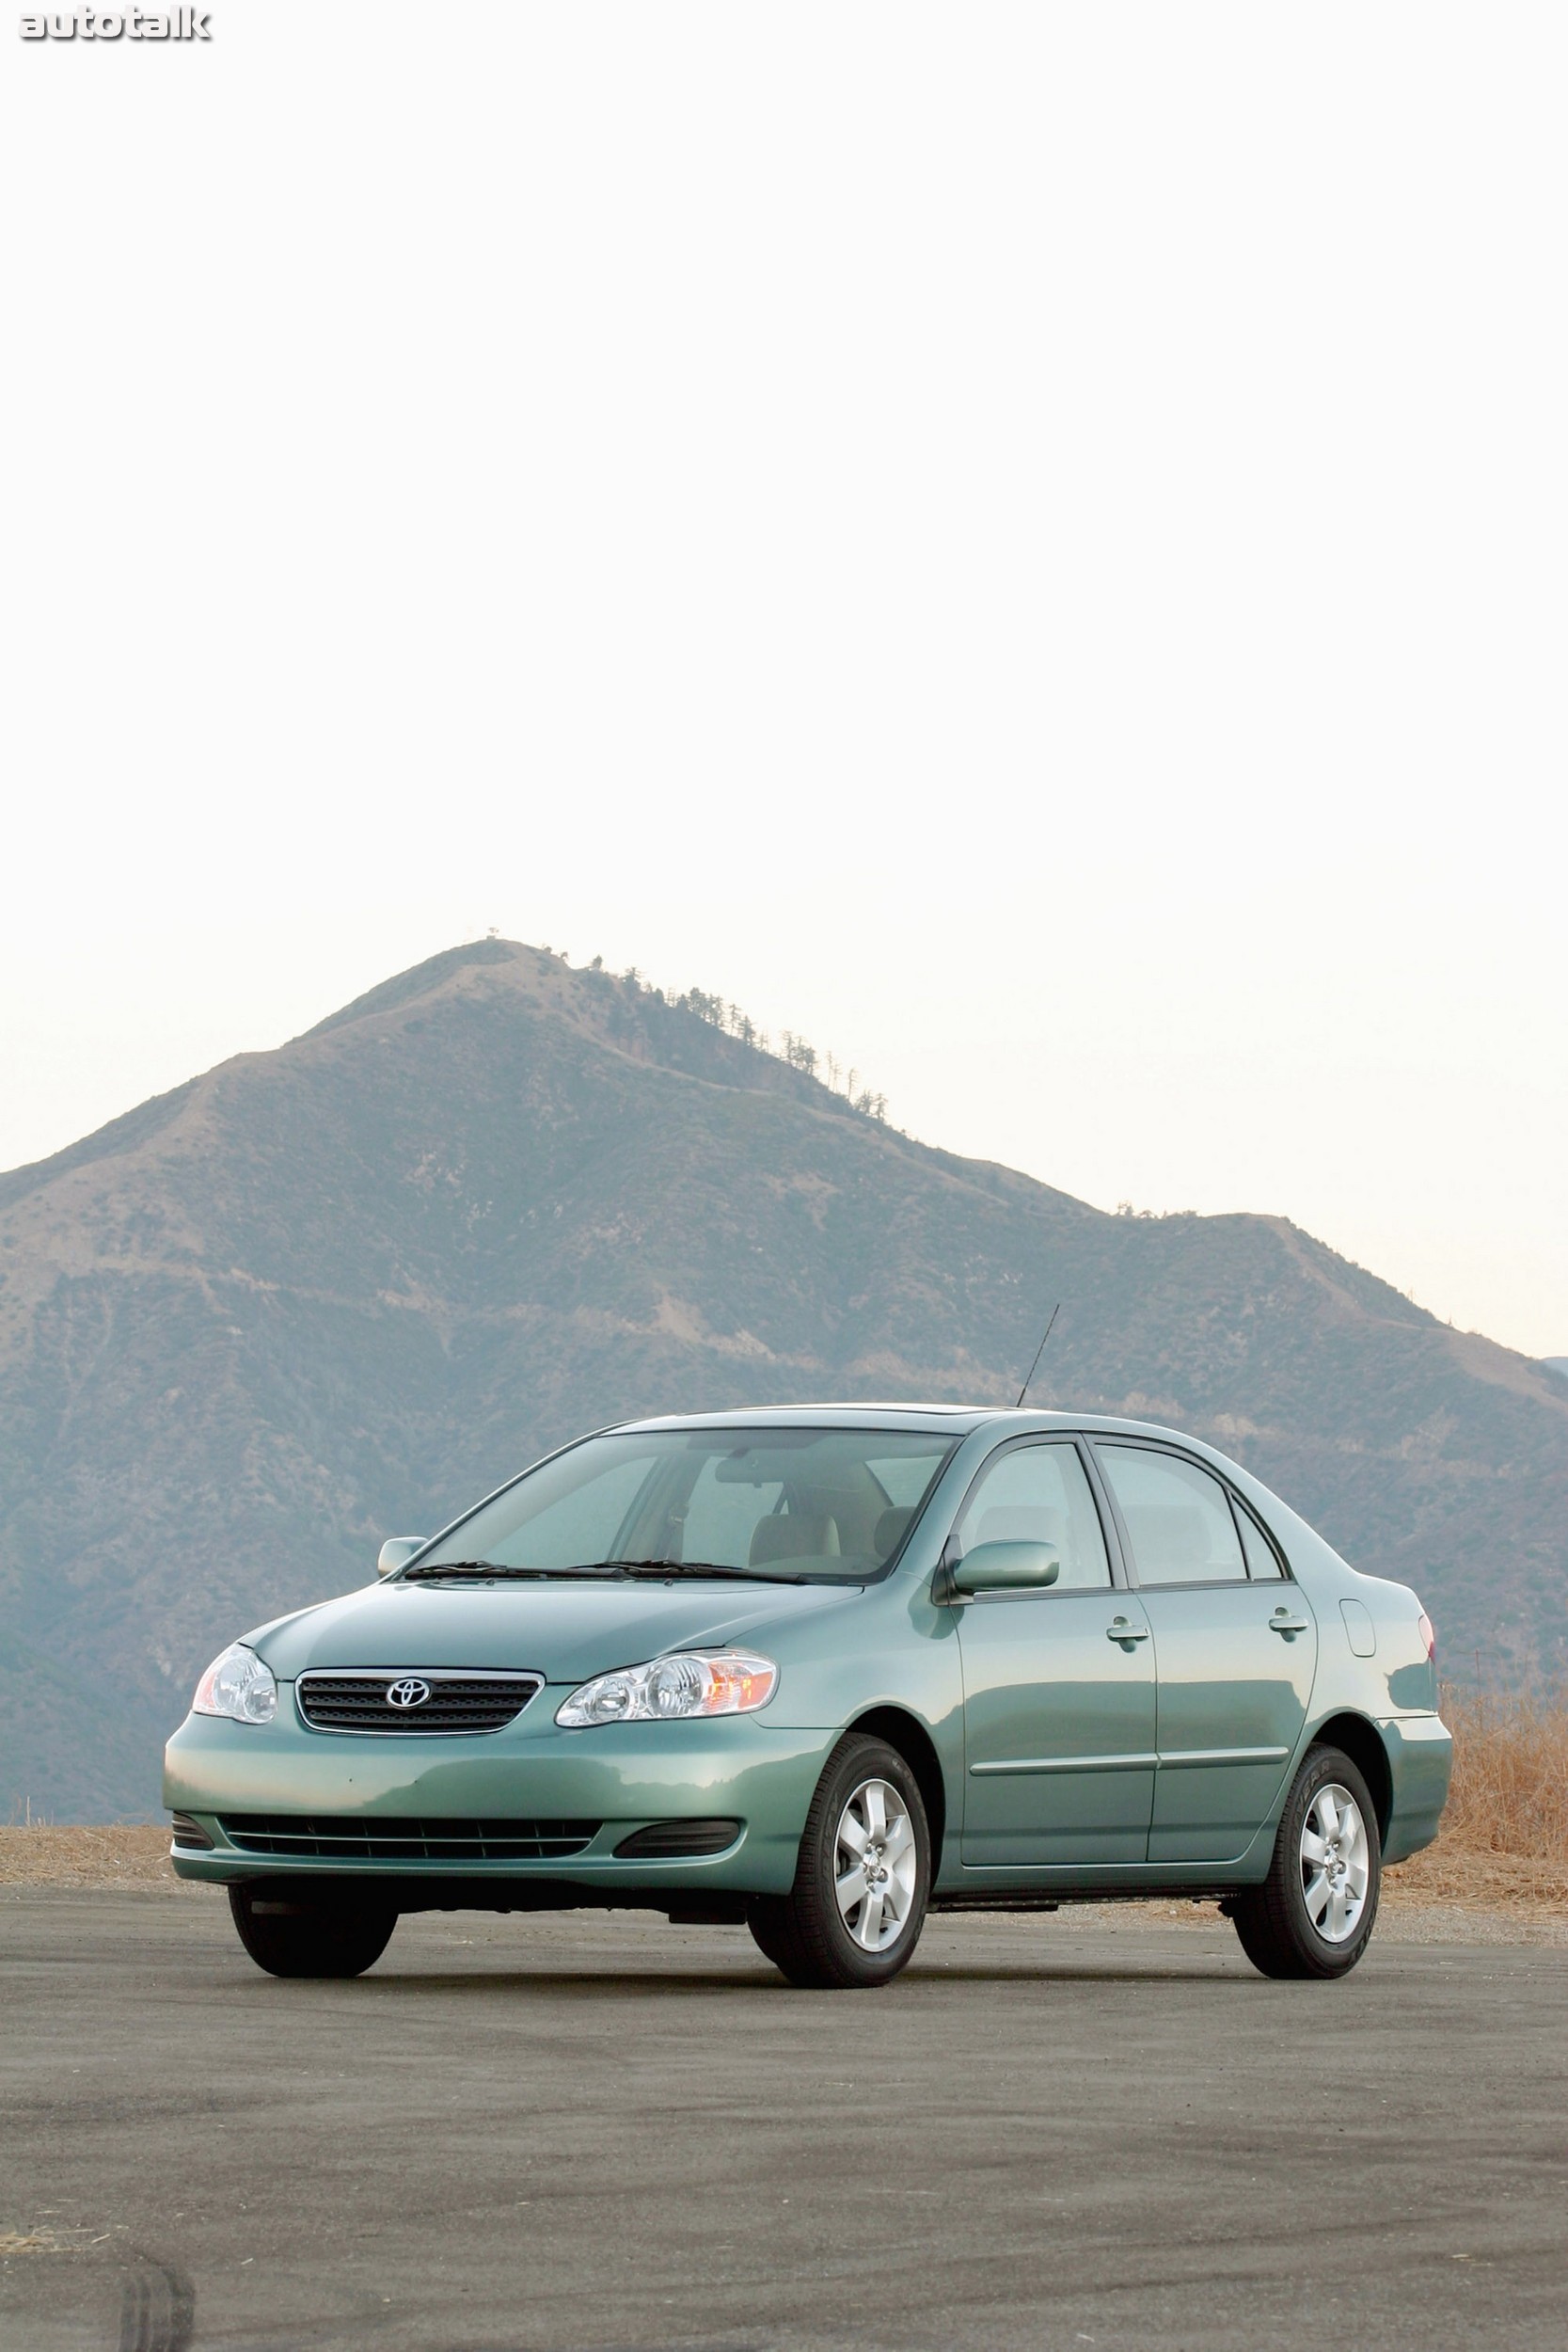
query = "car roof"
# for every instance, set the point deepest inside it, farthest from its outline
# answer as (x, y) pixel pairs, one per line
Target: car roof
(951, 1420)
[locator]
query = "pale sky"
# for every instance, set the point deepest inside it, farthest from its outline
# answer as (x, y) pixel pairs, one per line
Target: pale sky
(1026, 544)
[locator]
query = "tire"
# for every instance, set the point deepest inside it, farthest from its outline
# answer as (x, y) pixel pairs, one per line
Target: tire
(290, 1938)
(1293, 1925)
(817, 1935)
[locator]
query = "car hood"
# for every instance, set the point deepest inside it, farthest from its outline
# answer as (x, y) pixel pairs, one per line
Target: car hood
(564, 1631)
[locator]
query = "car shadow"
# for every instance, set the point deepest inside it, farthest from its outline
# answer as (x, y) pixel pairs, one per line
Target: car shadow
(603, 1984)
(600, 1984)
(1216, 1972)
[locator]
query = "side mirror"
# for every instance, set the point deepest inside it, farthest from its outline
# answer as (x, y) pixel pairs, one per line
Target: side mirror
(397, 1551)
(1005, 1568)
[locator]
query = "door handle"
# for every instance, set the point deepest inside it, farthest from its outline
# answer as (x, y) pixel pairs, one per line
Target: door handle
(1120, 1630)
(1288, 1627)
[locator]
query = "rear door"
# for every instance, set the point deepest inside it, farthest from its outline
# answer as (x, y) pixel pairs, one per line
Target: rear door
(1236, 1646)
(1058, 1684)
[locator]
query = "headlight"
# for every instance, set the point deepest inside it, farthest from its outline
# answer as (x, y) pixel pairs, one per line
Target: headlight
(237, 1684)
(682, 1684)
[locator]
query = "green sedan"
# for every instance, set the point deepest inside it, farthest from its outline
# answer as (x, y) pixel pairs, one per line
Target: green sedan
(820, 1672)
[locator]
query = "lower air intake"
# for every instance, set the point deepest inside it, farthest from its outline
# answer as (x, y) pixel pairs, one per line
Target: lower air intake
(328, 1838)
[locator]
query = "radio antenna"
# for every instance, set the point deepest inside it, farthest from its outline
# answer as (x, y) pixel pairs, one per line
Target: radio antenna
(1038, 1353)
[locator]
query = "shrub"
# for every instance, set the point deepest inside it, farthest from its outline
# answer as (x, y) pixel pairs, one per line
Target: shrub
(1510, 1775)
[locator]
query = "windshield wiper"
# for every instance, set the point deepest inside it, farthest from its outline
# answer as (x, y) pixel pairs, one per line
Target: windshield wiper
(663, 1568)
(486, 1567)
(604, 1569)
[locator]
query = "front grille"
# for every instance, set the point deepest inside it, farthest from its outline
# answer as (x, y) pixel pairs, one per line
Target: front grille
(453, 1703)
(357, 1838)
(669, 1840)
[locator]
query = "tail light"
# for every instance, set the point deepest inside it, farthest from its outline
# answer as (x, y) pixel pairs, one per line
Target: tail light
(1428, 1636)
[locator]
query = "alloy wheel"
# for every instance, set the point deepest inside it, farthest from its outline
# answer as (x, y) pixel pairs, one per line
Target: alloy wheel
(876, 1865)
(1335, 1863)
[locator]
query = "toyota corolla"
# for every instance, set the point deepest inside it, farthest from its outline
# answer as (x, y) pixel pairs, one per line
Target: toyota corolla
(820, 1672)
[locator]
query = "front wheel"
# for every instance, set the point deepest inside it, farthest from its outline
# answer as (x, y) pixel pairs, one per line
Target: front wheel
(1313, 1914)
(289, 1938)
(854, 1914)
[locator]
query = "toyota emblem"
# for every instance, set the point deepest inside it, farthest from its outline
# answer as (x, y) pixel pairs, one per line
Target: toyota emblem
(409, 1692)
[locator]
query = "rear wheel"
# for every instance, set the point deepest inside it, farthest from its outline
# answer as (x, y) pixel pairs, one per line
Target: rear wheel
(1313, 1914)
(293, 1938)
(854, 1914)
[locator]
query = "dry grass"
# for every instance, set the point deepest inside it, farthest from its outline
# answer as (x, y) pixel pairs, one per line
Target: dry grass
(47, 1854)
(14, 2242)
(1504, 1841)
(1510, 1790)
(1503, 1848)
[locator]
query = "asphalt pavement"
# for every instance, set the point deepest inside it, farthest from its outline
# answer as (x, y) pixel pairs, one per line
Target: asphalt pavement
(596, 2132)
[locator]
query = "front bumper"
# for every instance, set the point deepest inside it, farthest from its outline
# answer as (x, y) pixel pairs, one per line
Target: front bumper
(620, 1777)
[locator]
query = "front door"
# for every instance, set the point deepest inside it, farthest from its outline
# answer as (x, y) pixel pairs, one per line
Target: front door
(1237, 1646)
(1059, 1689)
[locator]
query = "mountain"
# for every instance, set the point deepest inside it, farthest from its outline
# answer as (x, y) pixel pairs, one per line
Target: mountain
(1558, 1364)
(332, 1292)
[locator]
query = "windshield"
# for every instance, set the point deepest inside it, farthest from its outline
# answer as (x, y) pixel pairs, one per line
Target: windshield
(814, 1505)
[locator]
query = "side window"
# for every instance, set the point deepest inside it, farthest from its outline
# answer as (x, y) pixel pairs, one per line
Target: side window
(1040, 1494)
(1261, 1557)
(1178, 1518)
